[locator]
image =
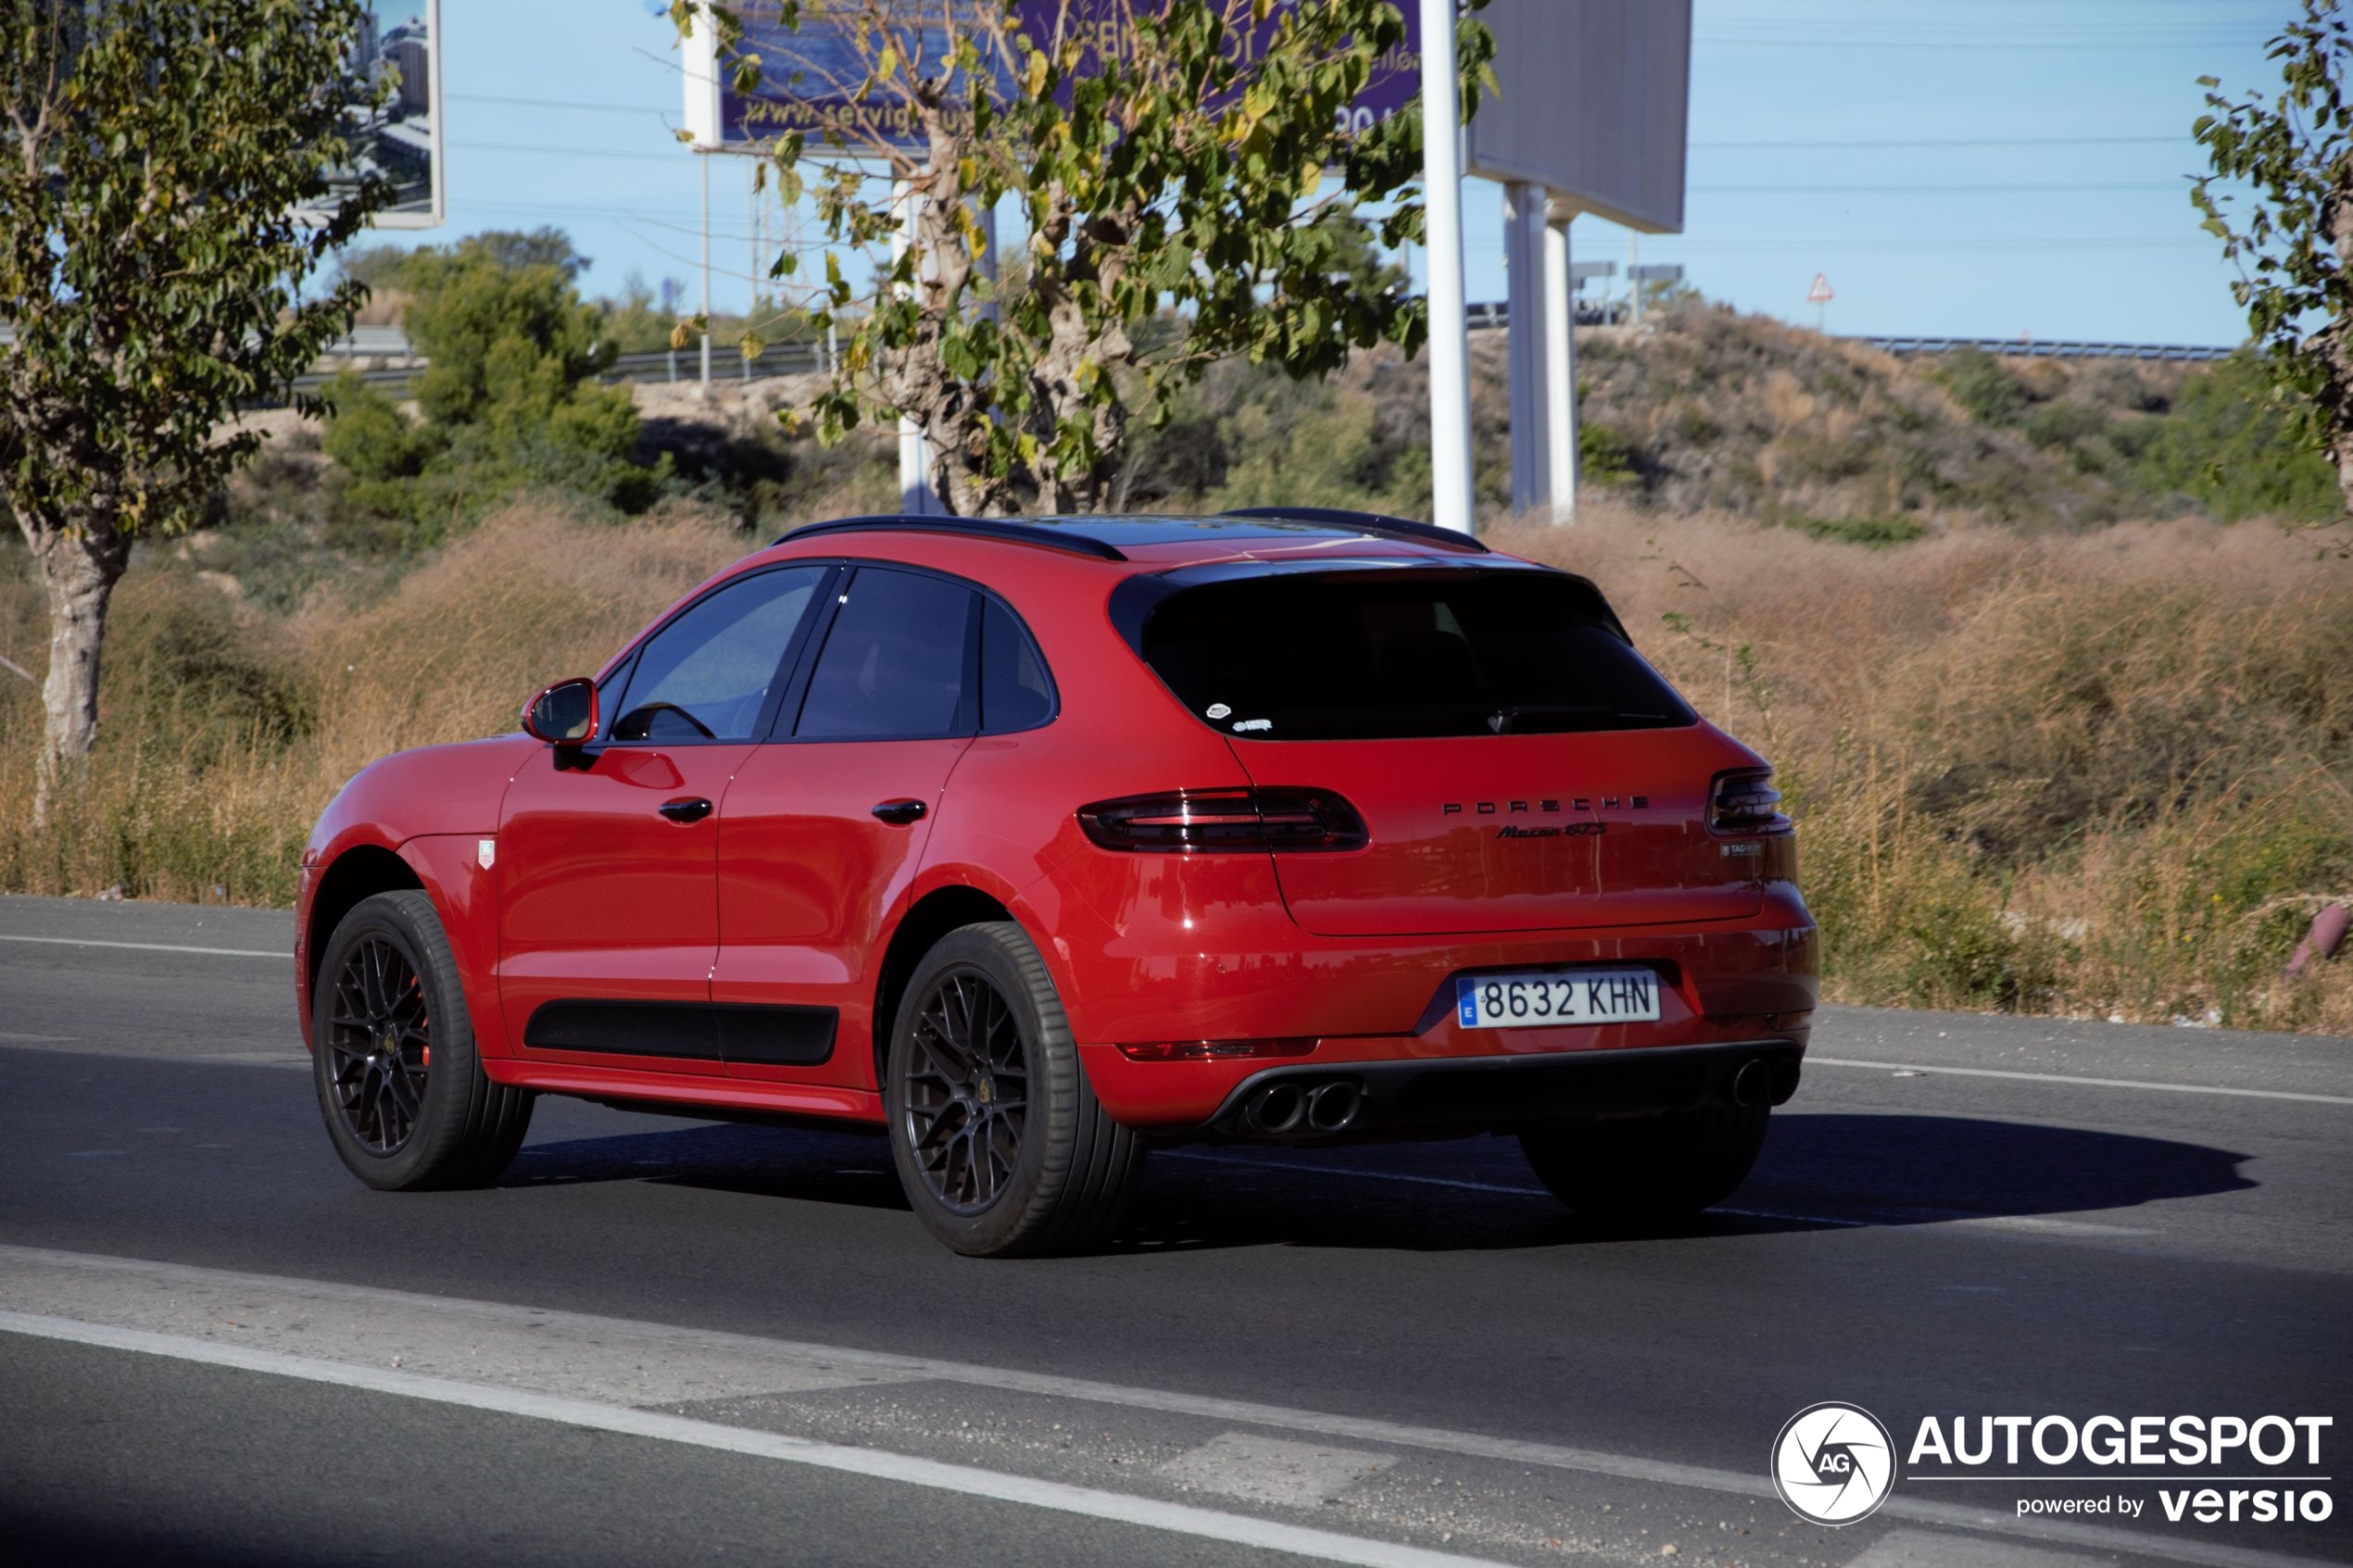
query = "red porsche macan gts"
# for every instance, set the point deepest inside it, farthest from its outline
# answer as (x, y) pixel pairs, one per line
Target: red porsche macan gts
(1038, 843)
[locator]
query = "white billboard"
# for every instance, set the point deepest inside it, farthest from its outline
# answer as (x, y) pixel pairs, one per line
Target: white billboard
(1592, 106)
(399, 46)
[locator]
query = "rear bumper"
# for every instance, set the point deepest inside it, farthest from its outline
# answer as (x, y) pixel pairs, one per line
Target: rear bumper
(1188, 948)
(1434, 1096)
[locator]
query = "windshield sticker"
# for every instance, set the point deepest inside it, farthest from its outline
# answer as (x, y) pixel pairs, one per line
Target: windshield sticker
(1244, 726)
(1218, 710)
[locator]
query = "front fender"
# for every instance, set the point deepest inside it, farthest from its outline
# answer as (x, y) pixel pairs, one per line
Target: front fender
(432, 810)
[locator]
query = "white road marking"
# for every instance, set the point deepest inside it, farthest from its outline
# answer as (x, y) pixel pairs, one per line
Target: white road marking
(1275, 1470)
(154, 947)
(1183, 1519)
(162, 1281)
(1928, 1549)
(293, 1056)
(2046, 1224)
(1913, 1067)
(561, 1357)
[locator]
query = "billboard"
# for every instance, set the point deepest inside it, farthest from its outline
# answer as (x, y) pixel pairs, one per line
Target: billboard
(1591, 106)
(399, 47)
(811, 76)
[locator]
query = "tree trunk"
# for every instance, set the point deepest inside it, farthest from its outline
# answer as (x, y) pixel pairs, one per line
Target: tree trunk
(77, 575)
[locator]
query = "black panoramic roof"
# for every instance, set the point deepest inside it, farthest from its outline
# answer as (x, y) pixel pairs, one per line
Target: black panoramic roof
(1103, 536)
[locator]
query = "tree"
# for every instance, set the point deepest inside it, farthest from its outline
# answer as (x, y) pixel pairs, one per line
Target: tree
(510, 392)
(2294, 249)
(544, 246)
(1168, 158)
(158, 159)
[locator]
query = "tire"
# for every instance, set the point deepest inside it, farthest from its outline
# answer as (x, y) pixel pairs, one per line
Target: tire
(1649, 1167)
(387, 992)
(989, 1175)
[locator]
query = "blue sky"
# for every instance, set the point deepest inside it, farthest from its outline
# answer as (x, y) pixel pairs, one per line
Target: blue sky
(1997, 169)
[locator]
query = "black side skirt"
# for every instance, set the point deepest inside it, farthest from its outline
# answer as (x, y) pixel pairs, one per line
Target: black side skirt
(718, 1031)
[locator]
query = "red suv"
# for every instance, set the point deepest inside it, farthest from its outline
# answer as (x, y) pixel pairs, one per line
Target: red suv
(1037, 842)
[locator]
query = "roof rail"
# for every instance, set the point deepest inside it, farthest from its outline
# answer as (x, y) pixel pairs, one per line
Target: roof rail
(975, 527)
(1374, 523)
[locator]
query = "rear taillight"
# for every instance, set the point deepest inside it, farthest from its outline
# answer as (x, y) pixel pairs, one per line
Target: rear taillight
(1191, 822)
(1746, 801)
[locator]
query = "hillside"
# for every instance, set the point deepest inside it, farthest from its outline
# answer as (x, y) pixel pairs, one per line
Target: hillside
(1703, 410)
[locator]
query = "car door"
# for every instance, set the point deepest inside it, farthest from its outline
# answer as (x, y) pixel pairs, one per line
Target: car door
(822, 831)
(608, 918)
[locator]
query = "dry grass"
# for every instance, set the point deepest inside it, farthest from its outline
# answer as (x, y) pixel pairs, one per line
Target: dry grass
(224, 731)
(2108, 774)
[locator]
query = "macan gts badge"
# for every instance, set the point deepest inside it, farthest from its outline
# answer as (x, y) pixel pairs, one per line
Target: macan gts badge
(1039, 843)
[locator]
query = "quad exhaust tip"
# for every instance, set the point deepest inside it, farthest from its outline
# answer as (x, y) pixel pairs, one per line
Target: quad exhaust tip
(1288, 1109)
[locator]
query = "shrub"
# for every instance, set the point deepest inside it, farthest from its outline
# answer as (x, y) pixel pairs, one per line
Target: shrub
(368, 434)
(1872, 532)
(1983, 386)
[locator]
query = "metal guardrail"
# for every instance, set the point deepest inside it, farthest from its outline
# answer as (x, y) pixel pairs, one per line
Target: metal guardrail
(1496, 316)
(794, 358)
(686, 365)
(2034, 348)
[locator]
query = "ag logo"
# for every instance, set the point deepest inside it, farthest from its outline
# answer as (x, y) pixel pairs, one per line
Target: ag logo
(1834, 1463)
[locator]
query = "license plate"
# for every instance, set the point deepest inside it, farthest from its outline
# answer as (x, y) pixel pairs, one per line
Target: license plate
(1535, 1001)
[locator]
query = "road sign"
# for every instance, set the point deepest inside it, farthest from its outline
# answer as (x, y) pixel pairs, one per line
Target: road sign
(1820, 293)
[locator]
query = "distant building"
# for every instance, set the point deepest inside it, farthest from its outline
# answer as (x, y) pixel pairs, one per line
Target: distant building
(405, 47)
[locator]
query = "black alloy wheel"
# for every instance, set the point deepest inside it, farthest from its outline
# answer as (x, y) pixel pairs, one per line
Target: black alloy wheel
(380, 1034)
(401, 1081)
(1000, 1143)
(965, 1090)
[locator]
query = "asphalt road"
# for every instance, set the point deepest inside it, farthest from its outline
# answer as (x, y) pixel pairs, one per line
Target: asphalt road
(664, 1341)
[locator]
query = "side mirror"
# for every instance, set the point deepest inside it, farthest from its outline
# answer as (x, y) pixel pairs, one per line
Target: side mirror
(565, 714)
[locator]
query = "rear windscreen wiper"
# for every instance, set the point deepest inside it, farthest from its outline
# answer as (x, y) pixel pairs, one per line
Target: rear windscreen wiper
(1505, 720)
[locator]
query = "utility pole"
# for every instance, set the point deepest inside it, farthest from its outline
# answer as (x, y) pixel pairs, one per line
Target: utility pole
(914, 453)
(706, 273)
(752, 243)
(1453, 503)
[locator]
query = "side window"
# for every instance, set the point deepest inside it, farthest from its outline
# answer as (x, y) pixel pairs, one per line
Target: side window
(705, 675)
(1015, 691)
(893, 666)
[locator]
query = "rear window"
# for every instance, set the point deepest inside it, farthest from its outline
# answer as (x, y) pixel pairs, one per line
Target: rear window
(1373, 659)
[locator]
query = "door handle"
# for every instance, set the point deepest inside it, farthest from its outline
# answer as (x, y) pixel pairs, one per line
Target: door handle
(692, 809)
(898, 813)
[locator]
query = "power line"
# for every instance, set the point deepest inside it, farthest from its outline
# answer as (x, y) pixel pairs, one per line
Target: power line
(553, 104)
(2021, 47)
(1925, 189)
(1875, 144)
(470, 142)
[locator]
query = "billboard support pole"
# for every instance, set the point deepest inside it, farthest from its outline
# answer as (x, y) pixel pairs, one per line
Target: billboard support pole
(1449, 446)
(706, 274)
(1525, 344)
(751, 245)
(1560, 368)
(914, 455)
